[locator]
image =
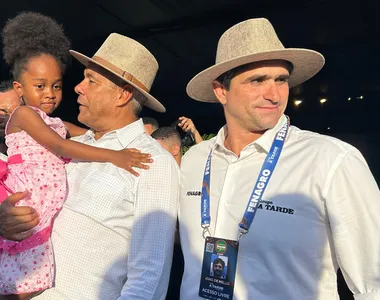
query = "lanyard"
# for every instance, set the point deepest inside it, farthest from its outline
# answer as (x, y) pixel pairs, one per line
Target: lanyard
(257, 192)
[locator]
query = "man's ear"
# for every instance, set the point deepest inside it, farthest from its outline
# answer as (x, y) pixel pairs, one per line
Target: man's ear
(18, 88)
(176, 150)
(220, 92)
(125, 94)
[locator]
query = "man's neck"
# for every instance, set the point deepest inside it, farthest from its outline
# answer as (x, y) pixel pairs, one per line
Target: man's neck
(237, 140)
(178, 159)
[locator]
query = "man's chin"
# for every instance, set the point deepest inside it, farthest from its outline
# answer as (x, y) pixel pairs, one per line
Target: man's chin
(266, 124)
(83, 120)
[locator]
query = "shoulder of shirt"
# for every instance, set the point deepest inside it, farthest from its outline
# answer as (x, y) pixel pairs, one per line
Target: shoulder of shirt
(146, 144)
(198, 151)
(162, 159)
(316, 142)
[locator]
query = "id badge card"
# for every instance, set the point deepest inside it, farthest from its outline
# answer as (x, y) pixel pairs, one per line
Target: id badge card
(218, 269)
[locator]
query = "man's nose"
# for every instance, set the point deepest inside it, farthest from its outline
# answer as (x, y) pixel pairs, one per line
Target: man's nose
(78, 89)
(272, 93)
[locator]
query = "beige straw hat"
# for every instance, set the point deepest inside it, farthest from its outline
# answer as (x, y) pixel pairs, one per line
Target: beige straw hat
(251, 41)
(128, 60)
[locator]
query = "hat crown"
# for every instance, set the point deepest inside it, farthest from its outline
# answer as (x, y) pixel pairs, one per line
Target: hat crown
(129, 56)
(248, 37)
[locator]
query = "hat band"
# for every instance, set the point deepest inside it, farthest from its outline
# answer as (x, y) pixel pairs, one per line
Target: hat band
(120, 72)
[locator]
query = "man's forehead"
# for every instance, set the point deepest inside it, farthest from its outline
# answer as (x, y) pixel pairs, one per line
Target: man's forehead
(92, 70)
(270, 64)
(98, 72)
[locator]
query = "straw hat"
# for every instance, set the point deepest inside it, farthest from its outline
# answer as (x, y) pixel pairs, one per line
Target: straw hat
(251, 41)
(130, 61)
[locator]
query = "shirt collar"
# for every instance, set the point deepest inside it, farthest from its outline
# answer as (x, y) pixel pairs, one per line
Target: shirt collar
(124, 135)
(264, 142)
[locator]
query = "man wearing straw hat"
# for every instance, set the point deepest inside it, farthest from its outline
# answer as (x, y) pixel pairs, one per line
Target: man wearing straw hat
(114, 237)
(286, 207)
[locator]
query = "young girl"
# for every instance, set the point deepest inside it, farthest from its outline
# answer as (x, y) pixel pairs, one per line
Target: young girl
(37, 50)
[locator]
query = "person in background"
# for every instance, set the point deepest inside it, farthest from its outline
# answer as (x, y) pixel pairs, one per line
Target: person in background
(150, 125)
(170, 140)
(9, 100)
(188, 125)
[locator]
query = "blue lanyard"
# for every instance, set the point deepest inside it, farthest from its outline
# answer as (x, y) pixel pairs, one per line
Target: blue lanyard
(258, 190)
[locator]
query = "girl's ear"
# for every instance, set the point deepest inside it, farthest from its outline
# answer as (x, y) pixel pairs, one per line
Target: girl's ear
(18, 88)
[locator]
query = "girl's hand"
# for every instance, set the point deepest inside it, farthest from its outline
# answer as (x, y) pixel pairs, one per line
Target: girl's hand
(129, 158)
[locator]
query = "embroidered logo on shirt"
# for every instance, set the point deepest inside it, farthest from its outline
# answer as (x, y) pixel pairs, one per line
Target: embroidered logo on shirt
(194, 193)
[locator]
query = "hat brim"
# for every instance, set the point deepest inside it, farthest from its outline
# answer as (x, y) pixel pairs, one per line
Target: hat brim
(306, 63)
(151, 102)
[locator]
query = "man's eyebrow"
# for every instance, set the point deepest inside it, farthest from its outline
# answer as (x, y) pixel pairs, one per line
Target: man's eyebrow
(262, 77)
(283, 76)
(259, 77)
(89, 74)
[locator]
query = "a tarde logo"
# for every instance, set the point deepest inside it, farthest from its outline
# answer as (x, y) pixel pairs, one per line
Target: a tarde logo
(268, 205)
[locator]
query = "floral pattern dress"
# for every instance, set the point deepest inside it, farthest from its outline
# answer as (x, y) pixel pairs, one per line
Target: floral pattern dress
(28, 266)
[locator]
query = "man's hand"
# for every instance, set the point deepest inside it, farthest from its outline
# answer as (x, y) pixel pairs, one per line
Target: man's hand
(16, 221)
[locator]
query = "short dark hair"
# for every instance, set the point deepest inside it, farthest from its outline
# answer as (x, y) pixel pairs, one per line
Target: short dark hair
(6, 85)
(167, 133)
(219, 261)
(151, 121)
(225, 78)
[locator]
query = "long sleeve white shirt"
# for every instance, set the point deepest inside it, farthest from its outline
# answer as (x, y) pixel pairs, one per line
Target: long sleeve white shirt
(320, 212)
(113, 238)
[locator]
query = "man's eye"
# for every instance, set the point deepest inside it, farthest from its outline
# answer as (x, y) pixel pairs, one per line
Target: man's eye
(282, 80)
(258, 80)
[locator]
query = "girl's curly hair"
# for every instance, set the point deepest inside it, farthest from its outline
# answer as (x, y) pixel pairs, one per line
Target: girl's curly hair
(31, 34)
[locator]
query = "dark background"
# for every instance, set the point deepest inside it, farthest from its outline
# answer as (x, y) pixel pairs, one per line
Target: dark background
(183, 35)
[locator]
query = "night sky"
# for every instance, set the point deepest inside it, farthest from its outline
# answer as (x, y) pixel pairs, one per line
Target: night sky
(183, 36)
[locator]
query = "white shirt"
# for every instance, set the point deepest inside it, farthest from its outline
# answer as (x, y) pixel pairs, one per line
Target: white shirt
(3, 157)
(320, 212)
(114, 237)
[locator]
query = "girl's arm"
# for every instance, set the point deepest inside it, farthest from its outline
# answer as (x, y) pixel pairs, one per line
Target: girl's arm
(74, 130)
(25, 118)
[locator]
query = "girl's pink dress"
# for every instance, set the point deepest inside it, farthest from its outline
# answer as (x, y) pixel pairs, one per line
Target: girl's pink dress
(28, 266)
